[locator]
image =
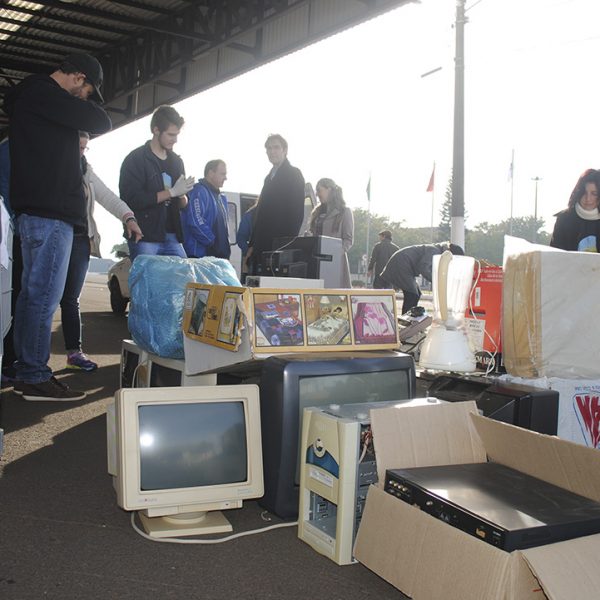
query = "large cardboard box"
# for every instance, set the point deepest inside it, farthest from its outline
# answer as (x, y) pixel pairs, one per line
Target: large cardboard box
(225, 325)
(548, 325)
(428, 559)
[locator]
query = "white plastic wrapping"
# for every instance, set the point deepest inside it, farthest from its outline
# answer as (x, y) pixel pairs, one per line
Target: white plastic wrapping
(549, 323)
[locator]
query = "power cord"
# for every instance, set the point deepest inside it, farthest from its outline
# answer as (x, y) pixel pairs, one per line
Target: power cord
(208, 542)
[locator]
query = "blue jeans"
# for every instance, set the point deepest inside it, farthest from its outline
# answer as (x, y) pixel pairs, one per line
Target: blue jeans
(69, 304)
(46, 247)
(170, 247)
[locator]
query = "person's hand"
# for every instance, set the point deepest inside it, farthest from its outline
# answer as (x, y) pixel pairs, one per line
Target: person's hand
(182, 186)
(133, 230)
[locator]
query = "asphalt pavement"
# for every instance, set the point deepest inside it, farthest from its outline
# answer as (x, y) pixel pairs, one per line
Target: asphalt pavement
(62, 535)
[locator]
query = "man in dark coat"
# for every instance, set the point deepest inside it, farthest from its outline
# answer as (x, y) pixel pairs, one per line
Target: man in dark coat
(410, 262)
(382, 252)
(280, 209)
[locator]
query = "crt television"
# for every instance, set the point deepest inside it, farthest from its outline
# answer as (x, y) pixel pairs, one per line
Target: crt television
(290, 383)
(183, 454)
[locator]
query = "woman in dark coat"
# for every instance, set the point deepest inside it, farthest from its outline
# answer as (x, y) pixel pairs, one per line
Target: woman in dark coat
(578, 226)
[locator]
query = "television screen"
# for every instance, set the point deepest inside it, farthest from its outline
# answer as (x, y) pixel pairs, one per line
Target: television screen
(290, 383)
(189, 445)
(349, 388)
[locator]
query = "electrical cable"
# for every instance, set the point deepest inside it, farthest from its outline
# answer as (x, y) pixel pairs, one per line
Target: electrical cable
(144, 363)
(208, 542)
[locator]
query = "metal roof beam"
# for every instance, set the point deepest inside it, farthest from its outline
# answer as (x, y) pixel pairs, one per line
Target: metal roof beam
(21, 35)
(159, 25)
(144, 6)
(22, 66)
(33, 50)
(55, 30)
(69, 20)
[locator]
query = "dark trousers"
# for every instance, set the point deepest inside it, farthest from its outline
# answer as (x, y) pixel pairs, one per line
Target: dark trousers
(69, 303)
(410, 300)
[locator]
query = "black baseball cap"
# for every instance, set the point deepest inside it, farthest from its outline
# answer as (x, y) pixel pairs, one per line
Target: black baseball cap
(92, 70)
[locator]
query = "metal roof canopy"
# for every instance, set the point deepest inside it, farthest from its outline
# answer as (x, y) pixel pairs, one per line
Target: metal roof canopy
(157, 52)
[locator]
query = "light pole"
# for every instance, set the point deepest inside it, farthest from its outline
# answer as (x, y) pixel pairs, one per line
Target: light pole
(536, 179)
(457, 213)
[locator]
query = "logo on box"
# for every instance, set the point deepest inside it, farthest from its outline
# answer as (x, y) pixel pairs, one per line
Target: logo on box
(587, 409)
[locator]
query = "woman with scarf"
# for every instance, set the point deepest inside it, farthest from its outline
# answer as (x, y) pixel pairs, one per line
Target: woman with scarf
(578, 226)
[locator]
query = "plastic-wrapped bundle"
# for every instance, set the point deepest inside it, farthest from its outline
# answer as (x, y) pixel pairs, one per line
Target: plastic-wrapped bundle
(157, 291)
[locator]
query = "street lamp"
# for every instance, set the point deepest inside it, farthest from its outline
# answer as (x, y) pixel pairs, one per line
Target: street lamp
(535, 212)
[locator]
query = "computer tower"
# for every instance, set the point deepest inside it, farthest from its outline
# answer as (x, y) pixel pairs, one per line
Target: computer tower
(338, 465)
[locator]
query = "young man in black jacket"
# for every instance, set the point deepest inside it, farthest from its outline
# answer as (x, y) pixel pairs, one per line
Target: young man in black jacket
(46, 113)
(154, 186)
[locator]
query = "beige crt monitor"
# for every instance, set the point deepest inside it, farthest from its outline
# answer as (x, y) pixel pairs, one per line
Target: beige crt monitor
(183, 454)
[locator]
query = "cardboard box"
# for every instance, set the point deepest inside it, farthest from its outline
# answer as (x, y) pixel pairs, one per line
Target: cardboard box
(245, 323)
(548, 326)
(426, 558)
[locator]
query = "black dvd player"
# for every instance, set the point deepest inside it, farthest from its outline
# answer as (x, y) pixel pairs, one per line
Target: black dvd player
(499, 505)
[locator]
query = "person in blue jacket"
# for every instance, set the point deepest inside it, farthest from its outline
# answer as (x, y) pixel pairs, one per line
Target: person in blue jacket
(204, 219)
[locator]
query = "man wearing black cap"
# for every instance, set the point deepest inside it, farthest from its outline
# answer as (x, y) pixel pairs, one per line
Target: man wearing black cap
(46, 113)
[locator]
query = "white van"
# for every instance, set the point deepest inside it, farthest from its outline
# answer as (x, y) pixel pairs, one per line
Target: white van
(237, 204)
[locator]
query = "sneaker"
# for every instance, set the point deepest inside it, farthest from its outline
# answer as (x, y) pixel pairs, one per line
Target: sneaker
(51, 390)
(78, 360)
(18, 387)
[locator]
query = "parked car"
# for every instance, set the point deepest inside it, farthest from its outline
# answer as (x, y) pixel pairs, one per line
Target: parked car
(118, 285)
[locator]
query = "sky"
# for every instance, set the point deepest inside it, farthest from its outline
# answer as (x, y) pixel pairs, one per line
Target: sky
(356, 106)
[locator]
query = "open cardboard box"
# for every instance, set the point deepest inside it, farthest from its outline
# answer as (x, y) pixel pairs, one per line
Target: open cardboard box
(426, 558)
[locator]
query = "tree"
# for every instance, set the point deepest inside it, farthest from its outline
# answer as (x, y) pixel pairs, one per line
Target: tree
(445, 214)
(486, 241)
(402, 236)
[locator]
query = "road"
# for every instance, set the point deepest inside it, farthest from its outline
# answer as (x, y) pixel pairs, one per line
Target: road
(102, 335)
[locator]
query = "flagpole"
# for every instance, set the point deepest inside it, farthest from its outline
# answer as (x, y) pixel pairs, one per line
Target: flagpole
(368, 227)
(512, 179)
(432, 201)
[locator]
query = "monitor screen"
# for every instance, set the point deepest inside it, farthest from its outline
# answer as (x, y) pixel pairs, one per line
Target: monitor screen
(349, 388)
(184, 453)
(190, 445)
(291, 383)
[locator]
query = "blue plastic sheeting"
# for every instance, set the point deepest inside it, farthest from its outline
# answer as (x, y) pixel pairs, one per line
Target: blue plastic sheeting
(157, 292)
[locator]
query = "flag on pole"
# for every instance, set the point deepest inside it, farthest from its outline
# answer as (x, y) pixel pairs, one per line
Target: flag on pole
(369, 189)
(431, 180)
